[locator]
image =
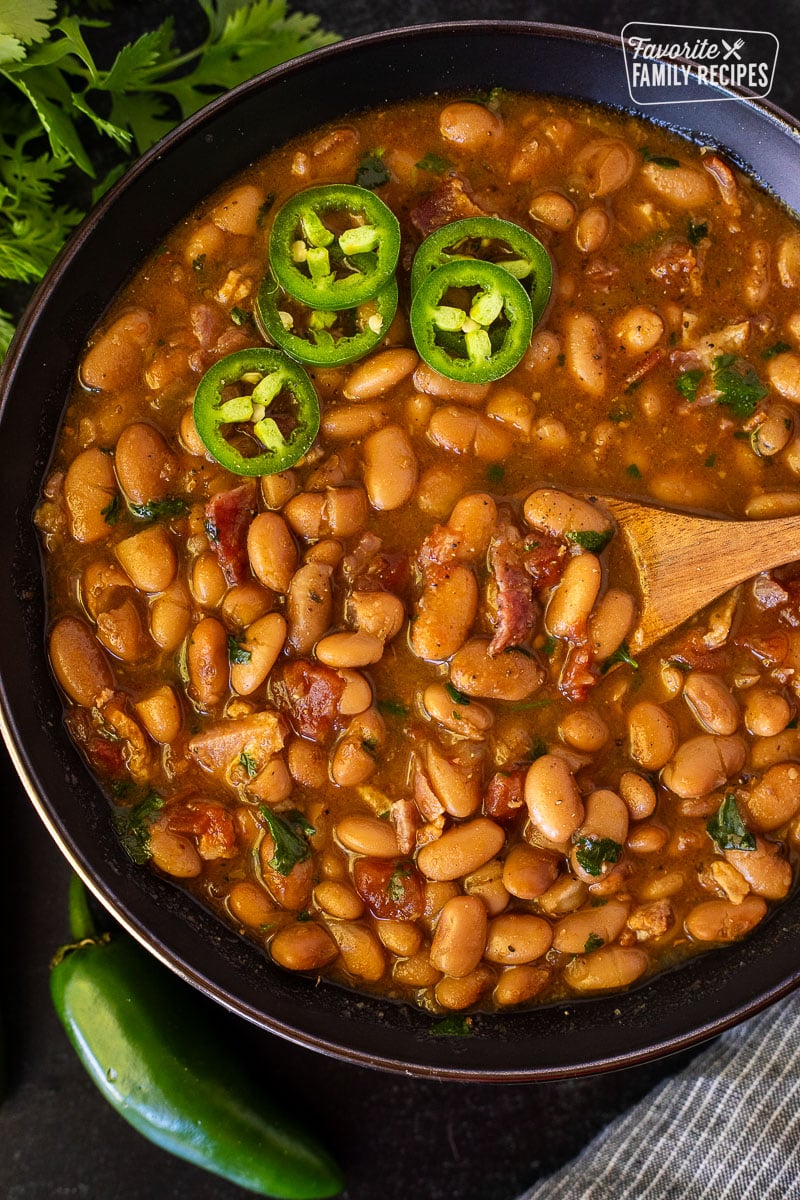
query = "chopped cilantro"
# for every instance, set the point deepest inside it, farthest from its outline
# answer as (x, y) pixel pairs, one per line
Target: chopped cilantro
(660, 160)
(370, 745)
(133, 827)
(618, 415)
(593, 942)
(633, 471)
(525, 705)
(393, 708)
(688, 382)
(290, 832)
(776, 348)
(495, 473)
(305, 915)
(537, 748)
(455, 695)
(712, 458)
(199, 263)
(265, 208)
(111, 512)
(727, 829)
(621, 655)
(593, 852)
(248, 763)
(738, 386)
(589, 539)
(371, 171)
(452, 1027)
(697, 232)
(434, 164)
(561, 359)
(395, 887)
(237, 653)
(549, 645)
(240, 316)
(153, 510)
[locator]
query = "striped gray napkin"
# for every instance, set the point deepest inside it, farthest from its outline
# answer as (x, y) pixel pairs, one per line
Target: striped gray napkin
(728, 1125)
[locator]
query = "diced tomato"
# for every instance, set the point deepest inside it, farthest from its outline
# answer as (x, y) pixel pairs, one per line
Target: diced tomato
(392, 889)
(209, 824)
(310, 693)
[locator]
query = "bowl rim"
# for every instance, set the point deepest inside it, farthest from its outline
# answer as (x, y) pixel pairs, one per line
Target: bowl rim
(101, 887)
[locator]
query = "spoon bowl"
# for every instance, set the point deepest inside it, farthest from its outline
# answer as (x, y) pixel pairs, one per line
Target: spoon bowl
(684, 562)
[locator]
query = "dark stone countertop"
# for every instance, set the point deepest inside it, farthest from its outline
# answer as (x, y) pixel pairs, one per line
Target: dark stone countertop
(395, 1136)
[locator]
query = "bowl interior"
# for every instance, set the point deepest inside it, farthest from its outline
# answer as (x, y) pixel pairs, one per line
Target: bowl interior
(673, 1011)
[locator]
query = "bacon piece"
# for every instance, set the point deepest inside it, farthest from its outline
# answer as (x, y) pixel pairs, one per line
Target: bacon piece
(209, 824)
(228, 517)
(650, 360)
(600, 274)
(725, 180)
(222, 745)
(392, 889)
(517, 610)
(577, 677)
(425, 798)
(449, 201)
(310, 693)
(405, 818)
(505, 795)
(105, 756)
(545, 559)
(676, 265)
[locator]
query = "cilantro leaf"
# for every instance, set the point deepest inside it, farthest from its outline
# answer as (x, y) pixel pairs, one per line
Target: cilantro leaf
(688, 382)
(592, 853)
(237, 654)
(776, 348)
(727, 829)
(25, 20)
(737, 384)
(290, 832)
(395, 887)
(371, 171)
(434, 164)
(697, 232)
(452, 1027)
(393, 708)
(455, 695)
(621, 655)
(593, 942)
(153, 510)
(133, 827)
(660, 160)
(589, 539)
(248, 765)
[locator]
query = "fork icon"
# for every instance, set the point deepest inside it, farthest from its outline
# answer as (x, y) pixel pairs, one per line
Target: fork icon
(734, 49)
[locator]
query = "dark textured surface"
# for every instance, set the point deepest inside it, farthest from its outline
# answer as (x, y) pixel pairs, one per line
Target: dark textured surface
(395, 1136)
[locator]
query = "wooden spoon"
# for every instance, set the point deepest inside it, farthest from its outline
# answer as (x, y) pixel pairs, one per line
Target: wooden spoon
(685, 562)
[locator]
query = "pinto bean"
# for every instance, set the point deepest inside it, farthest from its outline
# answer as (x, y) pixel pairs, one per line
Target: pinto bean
(379, 614)
(361, 953)
(584, 729)
(250, 905)
(115, 359)
(702, 764)
(724, 921)
(516, 985)
(592, 229)
(515, 938)
(337, 512)
(338, 899)
(775, 799)
(766, 712)
(379, 373)
(509, 676)
(639, 329)
(470, 126)
(647, 838)
(79, 664)
(447, 608)
(768, 874)
(303, 946)
(208, 580)
(173, 853)
(431, 383)
(611, 622)
(207, 663)
(262, 643)
(573, 931)
(170, 616)
(350, 422)
(160, 713)
(403, 938)
(585, 351)
(529, 871)
(309, 606)
(271, 550)
(681, 187)
(461, 850)
(606, 165)
(349, 650)
(652, 736)
(574, 597)
(121, 631)
(367, 835)
(89, 493)
(783, 372)
(460, 936)
(144, 462)
(239, 211)
(470, 720)
(390, 468)
(711, 701)
(553, 209)
(244, 603)
(553, 800)
(149, 559)
(639, 795)
(608, 968)
(559, 514)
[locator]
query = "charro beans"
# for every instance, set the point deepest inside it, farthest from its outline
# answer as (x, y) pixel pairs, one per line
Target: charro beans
(377, 691)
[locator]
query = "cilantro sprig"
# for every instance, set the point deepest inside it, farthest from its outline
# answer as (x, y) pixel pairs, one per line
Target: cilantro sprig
(70, 124)
(290, 832)
(727, 829)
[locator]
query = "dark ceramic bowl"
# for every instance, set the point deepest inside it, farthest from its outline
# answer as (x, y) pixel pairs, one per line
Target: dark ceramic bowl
(674, 1011)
